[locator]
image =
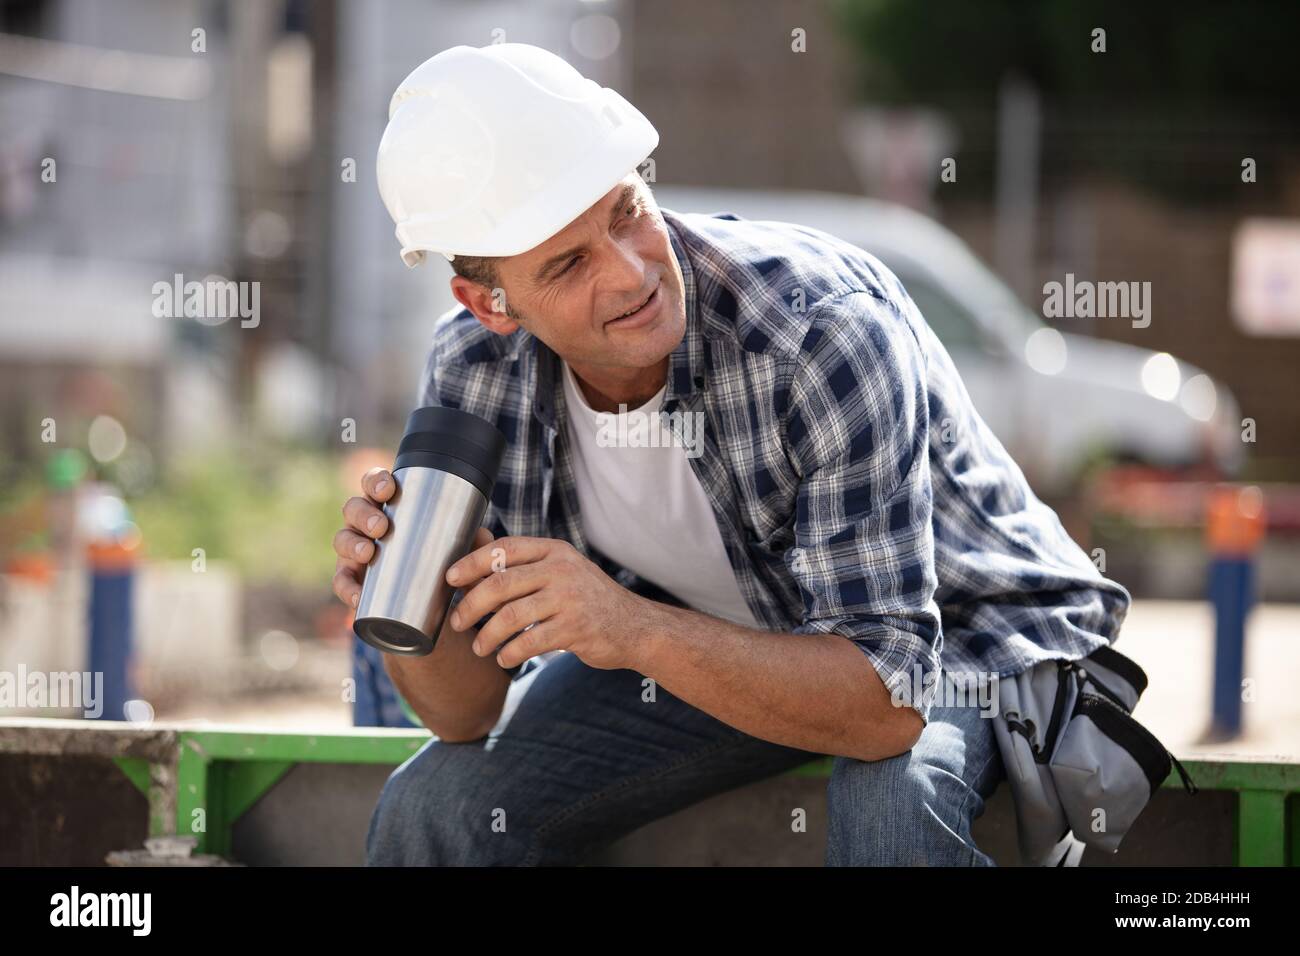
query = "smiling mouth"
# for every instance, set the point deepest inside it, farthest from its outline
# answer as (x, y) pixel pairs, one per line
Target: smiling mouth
(638, 307)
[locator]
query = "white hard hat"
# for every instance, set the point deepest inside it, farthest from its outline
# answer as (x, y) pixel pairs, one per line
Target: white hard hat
(491, 151)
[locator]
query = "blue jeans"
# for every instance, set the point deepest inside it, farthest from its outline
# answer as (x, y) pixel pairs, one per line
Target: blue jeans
(377, 703)
(584, 760)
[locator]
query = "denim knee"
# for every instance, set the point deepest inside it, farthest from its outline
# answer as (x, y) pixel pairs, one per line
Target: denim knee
(901, 811)
(438, 809)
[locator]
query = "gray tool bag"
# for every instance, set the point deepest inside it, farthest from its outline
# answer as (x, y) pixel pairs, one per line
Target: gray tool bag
(1076, 760)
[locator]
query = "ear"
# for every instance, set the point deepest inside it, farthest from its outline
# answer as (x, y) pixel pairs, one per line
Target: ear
(488, 305)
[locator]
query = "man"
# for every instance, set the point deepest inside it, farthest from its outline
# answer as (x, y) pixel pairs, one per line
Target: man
(822, 544)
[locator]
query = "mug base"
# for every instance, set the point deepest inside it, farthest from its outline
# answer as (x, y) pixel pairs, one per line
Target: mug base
(393, 637)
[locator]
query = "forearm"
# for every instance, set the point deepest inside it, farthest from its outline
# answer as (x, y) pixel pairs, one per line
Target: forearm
(816, 692)
(457, 694)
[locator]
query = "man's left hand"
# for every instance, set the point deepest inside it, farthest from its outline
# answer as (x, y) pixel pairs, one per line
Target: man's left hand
(570, 602)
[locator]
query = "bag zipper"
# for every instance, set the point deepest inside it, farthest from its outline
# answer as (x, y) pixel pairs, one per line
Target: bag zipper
(1063, 670)
(1118, 701)
(1094, 705)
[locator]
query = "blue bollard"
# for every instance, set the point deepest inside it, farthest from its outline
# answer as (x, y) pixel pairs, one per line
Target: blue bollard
(1235, 526)
(1232, 581)
(110, 636)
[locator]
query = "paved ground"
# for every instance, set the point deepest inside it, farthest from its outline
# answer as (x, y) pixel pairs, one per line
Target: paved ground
(1172, 640)
(1174, 643)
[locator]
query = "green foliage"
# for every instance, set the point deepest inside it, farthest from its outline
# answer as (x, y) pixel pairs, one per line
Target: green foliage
(1181, 94)
(272, 517)
(1157, 51)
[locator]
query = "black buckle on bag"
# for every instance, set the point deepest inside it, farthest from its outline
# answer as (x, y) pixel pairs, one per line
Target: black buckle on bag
(1025, 728)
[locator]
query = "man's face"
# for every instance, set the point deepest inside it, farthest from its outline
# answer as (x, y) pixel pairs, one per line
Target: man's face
(574, 290)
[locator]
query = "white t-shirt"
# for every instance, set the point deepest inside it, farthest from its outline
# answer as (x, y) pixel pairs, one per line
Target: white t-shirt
(644, 507)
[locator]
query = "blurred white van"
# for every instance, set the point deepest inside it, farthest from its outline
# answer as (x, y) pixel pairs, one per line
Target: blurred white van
(1055, 399)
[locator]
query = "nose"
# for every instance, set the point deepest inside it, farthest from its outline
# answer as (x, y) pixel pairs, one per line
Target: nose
(626, 268)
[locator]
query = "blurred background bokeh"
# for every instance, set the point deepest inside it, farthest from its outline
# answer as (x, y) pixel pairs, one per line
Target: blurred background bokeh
(184, 473)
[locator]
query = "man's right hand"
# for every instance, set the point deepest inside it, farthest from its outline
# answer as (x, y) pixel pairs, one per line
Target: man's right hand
(365, 521)
(354, 544)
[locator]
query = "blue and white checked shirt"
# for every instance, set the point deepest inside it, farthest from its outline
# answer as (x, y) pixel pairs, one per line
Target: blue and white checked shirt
(857, 490)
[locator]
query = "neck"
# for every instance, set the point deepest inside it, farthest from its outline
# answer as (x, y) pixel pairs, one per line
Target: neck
(607, 388)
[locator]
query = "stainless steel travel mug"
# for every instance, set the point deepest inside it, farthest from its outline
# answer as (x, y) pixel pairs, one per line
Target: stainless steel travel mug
(446, 466)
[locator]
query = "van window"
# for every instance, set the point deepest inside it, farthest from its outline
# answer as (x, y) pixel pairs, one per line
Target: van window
(954, 325)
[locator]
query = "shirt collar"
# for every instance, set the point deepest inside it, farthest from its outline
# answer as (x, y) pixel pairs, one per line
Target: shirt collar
(540, 370)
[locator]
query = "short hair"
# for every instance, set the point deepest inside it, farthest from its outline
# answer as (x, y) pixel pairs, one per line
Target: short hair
(480, 269)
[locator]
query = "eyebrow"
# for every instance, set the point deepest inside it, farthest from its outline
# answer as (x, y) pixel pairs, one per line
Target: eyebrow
(626, 193)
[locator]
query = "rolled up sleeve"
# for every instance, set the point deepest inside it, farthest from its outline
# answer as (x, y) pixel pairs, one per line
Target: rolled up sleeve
(858, 431)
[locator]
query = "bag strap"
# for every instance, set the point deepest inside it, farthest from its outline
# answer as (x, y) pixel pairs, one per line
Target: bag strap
(1188, 784)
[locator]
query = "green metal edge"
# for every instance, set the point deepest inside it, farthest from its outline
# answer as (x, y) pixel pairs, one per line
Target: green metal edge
(821, 767)
(393, 747)
(224, 773)
(245, 782)
(1293, 828)
(136, 770)
(407, 710)
(192, 794)
(232, 787)
(1267, 822)
(1243, 775)
(1206, 774)
(1261, 828)
(221, 774)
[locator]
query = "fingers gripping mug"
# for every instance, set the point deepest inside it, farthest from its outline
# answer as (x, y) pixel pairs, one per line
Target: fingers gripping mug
(446, 465)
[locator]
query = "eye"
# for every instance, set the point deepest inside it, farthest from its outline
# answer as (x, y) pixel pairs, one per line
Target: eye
(568, 266)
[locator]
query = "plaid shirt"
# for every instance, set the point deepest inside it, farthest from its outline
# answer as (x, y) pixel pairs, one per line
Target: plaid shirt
(856, 489)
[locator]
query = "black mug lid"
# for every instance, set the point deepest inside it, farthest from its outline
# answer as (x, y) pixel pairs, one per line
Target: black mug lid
(441, 437)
